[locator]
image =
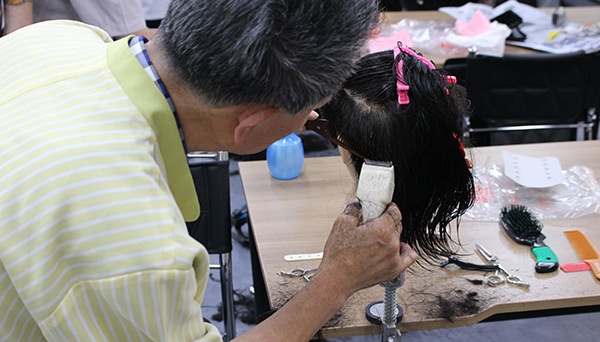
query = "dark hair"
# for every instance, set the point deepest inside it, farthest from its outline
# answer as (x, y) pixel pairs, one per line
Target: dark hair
(433, 183)
(290, 54)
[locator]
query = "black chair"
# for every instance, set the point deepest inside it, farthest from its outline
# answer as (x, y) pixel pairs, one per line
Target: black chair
(529, 98)
(210, 171)
(390, 5)
(575, 3)
(457, 67)
(429, 5)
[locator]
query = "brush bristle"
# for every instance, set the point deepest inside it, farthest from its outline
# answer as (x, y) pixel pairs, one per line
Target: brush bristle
(521, 221)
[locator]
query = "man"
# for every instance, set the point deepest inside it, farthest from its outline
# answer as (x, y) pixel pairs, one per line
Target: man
(95, 188)
(14, 14)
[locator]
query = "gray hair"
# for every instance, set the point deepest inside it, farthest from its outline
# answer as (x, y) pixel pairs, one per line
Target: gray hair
(291, 54)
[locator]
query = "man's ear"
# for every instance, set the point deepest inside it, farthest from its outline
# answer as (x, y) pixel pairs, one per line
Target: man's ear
(250, 119)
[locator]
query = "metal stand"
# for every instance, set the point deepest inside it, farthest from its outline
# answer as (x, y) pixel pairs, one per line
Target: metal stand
(225, 272)
(391, 313)
(375, 190)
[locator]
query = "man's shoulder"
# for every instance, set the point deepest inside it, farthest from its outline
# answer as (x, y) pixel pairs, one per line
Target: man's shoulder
(57, 29)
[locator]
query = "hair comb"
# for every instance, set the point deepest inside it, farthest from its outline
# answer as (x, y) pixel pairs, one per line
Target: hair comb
(331, 133)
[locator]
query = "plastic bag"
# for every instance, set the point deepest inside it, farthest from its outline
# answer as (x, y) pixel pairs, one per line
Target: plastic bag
(426, 36)
(577, 195)
(491, 42)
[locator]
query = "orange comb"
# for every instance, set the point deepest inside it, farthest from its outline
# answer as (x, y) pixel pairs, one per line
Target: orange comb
(585, 249)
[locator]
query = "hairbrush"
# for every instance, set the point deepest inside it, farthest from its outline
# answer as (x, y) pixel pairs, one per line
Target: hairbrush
(524, 228)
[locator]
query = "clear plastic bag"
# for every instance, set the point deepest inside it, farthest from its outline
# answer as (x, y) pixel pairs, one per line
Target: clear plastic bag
(428, 36)
(577, 195)
(439, 37)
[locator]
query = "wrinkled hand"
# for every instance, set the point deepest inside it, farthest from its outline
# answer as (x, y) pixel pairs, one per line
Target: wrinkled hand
(362, 255)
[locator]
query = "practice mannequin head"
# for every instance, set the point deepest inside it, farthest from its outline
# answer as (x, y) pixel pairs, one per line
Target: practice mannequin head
(421, 137)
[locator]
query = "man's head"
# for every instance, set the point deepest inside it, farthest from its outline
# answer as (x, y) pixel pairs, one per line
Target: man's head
(288, 54)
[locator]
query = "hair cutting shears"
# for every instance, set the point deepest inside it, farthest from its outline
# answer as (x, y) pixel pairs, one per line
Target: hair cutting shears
(305, 273)
(497, 279)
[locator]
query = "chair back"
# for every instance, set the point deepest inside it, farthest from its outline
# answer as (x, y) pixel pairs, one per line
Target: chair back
(210, 171)
(457, 67)
(430, 5)
(528, 98)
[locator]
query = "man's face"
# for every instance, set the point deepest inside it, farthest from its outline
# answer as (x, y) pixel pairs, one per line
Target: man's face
(272, 129)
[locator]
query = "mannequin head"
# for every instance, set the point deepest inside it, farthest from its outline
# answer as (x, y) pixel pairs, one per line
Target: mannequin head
(421, 137)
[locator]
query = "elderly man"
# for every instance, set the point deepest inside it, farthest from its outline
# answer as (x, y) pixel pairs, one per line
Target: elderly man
(95, 188)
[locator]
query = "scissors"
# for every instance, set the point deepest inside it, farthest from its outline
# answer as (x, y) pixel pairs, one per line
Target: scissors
(305, 273)
(497, 279)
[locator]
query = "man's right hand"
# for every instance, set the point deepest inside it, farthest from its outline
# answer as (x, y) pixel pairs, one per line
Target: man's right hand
(362, 255)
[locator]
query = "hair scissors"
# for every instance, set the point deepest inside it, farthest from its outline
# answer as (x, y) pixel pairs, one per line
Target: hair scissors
(305, 273)
(497, 279)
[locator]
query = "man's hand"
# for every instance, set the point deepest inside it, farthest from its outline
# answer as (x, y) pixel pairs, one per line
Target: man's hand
(360, 256)
(355, 257)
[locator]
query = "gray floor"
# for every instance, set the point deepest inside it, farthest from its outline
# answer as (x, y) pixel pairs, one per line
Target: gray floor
(572, 328)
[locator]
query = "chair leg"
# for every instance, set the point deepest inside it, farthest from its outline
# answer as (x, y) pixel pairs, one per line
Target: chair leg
(227, 295)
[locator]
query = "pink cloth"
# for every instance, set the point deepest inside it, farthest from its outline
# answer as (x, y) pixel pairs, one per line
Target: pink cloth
(478, 24)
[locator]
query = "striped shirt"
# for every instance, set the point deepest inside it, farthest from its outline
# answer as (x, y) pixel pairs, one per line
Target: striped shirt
(94, 194)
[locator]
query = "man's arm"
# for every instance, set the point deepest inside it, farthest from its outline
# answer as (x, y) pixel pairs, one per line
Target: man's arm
(18, 13)
(355, 257)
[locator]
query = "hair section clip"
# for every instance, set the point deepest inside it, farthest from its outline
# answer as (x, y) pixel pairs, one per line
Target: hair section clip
(462, 149)
(401, 84)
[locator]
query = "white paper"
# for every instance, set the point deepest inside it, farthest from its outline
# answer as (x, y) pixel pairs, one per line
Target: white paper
(570, 38)
(532, 172)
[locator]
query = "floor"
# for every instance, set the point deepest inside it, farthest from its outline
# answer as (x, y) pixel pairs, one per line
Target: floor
(573, 328)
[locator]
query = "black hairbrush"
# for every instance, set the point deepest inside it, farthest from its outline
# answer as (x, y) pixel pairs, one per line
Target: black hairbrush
(523, 227)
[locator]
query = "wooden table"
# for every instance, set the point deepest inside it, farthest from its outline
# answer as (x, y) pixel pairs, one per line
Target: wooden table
(582, 15)
(295, 216)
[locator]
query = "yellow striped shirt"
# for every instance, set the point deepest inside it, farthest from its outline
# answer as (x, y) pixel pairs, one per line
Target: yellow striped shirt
(94, 188)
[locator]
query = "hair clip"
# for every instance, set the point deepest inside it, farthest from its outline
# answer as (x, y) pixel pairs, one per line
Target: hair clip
(450, 79)
(462, 149)
(401, 85)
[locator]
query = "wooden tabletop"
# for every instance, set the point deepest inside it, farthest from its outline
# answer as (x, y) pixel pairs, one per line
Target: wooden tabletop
(582, 15)
(295, 216)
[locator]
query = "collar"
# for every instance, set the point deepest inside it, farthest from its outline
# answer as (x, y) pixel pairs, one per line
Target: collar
(138, 48)
(153, 106)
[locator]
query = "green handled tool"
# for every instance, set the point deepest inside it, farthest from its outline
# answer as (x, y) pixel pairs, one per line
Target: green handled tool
(523, 227)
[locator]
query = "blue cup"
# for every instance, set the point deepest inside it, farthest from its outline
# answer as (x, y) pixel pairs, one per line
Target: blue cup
(285, 157)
